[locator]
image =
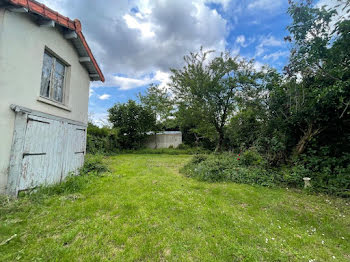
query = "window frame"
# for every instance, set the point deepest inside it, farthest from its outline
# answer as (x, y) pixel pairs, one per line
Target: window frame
(55, 58)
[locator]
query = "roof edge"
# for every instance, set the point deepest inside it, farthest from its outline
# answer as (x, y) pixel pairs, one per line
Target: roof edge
(48, 13)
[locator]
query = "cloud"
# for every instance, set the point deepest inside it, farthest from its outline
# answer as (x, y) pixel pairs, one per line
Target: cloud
(269, 5)
(276, 55)
(104, 97)
(267, 41)
(241, 40)
(343, 11)
(91, 92)
(258, 66)
(134, 23)
(99, 119)
(138, 37)
(162, 78)
(127, 83)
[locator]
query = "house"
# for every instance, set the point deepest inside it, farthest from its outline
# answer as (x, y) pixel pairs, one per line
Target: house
(46, 67)
(164, 139)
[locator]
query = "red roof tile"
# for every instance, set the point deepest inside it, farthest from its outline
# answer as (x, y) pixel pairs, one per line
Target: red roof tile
(44, 11)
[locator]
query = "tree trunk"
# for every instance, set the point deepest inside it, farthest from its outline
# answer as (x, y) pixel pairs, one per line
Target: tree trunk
(220, 141)
(309, 134)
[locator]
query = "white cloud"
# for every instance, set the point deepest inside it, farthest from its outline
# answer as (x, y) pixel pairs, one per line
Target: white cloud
(104, 97)
(265, 4)
(128, 83)
(258, 66)
(267, 41)
(163, 78)
(341, 8)
(134, 23)
(241, 40)
(154, 38)
(99, 119)
(91, 92)
(276, 55)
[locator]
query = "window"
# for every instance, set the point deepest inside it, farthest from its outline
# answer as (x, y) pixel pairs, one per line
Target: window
(52, 78)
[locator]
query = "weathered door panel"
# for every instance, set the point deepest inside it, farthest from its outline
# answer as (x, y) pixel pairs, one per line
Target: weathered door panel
(35, 159)
(52, 149)
(76, 151)
(55, 150)
(34, 168)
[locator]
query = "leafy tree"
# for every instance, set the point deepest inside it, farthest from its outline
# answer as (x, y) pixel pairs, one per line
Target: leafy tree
(206, 90)
(159, 101)
(133, 121)
(319, 100)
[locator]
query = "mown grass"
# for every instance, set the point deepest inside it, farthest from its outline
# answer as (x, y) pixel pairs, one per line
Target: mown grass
(144, 210)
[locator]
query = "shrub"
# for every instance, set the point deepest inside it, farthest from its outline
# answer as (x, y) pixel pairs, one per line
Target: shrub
(102, 140)
(198, 159)
(183, 146)
(93, 164)
(251, 157)
(329, 174)
(225, 167)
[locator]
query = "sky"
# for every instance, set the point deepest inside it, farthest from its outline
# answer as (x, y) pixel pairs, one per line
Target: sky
(136, 42)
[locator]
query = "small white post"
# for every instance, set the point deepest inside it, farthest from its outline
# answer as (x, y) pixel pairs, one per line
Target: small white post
(307, 182)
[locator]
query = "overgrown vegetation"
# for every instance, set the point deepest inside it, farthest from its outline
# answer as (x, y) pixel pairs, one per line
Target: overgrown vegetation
(102, 140)
(250, 168)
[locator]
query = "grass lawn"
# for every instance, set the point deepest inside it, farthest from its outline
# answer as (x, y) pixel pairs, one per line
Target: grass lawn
(144, 210)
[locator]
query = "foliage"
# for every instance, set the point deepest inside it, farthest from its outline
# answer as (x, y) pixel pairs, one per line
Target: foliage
(251, 158)
(145, 211)
(104, 140)
(249, 168)
(243, 129)
(328, 174)
(93, 164)
(205, 91)
(133, 122)
(159, 101)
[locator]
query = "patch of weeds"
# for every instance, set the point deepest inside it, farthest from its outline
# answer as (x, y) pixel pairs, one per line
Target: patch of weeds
(93, 166)
(252, 171)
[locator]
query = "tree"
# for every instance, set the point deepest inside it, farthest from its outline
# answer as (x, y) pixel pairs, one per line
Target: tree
(320, 58)
(133, 121)
(159, 101)
(206, 90)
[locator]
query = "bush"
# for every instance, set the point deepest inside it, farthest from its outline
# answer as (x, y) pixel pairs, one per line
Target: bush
(226, 167)
(252, 158)
(328, 174)
(93, 164)
(102, 140)
(183, 146)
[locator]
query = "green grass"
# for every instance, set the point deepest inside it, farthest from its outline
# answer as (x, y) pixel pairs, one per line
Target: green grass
(144, 210)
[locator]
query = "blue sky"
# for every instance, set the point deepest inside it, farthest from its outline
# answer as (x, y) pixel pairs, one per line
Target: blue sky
(137, 41)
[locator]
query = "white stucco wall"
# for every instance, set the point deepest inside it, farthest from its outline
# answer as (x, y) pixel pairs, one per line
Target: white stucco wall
(164, 140)
(22, 45)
